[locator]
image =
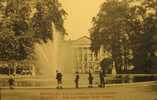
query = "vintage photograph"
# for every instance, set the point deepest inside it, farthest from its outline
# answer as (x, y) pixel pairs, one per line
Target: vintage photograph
(78, 49)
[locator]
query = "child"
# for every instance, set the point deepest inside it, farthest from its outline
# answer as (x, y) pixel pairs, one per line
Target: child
(59, 79)
(90, 79)
(77, 80)
(11, 82)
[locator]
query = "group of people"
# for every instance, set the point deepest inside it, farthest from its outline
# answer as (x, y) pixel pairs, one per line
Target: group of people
(77, 79)
(59, 78)
(90, 79)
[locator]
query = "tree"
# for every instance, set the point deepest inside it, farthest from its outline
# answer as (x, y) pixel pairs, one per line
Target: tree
(106, 65)
(14, 26)
(21, 24)
(125, 28)
(18, 12)
(47, 12)
(110, 29)
(143, 33)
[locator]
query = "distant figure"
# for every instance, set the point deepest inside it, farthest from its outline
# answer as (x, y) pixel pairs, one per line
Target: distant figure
(102, 81)
(11, 82)
(90, 79)
(59, 79)
(77, 77)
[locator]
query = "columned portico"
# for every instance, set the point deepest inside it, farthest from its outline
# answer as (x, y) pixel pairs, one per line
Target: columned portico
(84, 59)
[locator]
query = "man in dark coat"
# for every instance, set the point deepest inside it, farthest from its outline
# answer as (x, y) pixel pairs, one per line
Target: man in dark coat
(101, 76)
(59, 79)
(90, 79)
(11, 82)
(77, 77)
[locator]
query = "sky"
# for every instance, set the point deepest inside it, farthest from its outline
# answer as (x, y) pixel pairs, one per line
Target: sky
(80, 13)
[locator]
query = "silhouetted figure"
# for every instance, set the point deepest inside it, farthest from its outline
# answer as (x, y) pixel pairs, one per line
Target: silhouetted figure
(77, 77)
(90, 79)
(59, 79)
(102, 81)
(11, 82)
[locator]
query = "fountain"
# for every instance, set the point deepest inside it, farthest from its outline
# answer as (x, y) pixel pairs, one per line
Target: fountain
(47, 55)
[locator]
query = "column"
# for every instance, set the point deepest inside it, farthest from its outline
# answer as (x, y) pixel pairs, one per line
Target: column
(33, 70)
(83, 67)
(77, 59)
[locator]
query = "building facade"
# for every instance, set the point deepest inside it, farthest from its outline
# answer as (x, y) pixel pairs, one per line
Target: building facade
(82, 58)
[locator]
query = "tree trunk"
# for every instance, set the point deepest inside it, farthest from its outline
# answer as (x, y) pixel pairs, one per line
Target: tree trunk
(117, 58)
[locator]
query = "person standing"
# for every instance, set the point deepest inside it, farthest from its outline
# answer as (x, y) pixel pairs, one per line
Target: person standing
(102, 81)
(59, 79)
(90, 79)
(77, 77)
(11, 82)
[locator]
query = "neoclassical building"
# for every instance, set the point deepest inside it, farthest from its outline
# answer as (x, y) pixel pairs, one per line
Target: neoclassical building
(81, 57)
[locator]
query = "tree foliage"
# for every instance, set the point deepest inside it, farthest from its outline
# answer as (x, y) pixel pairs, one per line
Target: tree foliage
(143, 33)
(109, 29)
(14, 28)
(48, 12)
(21, 23)
(126, 28)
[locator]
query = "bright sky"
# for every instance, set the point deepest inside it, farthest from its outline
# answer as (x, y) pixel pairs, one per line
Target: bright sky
(80, 13)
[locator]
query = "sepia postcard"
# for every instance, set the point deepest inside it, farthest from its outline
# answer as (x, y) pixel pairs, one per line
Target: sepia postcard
(78, 50)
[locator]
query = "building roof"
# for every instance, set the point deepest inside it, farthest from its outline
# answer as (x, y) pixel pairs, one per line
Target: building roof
(82, 41)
